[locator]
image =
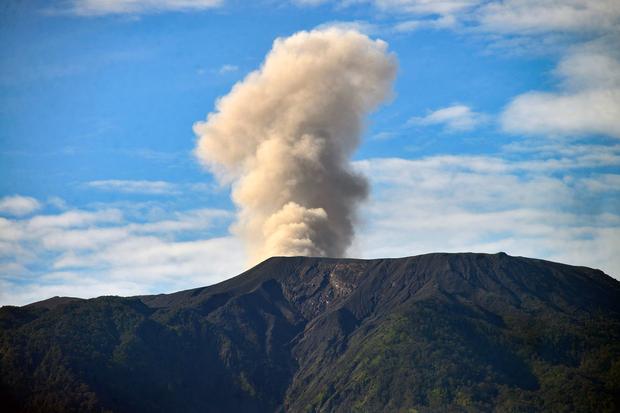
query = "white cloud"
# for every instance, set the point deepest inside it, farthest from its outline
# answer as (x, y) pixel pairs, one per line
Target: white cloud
(82, 239)
(454, 118)
(95, 238)
(149, 187)
(357, 25)
(538, 16)
(151, 259)
(419, 7)
(57, 202)
(107, 7)
(443, 22)
(491, 204)
(515, 16)
(604, 183)
(92, 253)
(557, 202)
(65, 285)
(18, 205)
(521, 17)
(587, 102)
(73, 218)
(586, 112)
(426, 7)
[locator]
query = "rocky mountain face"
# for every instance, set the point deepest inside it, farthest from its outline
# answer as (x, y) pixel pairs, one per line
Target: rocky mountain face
(431, 333)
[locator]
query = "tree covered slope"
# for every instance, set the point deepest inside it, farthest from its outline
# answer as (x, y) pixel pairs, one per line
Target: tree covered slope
(437, 332)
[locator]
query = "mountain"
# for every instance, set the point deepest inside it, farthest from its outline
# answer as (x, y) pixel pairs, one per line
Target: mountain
(431, 333)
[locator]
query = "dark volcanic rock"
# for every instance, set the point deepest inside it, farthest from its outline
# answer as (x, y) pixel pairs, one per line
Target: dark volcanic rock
(437, 332)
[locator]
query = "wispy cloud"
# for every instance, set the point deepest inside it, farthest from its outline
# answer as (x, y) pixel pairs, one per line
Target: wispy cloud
(425, 7)
(70, 219)
(145, 187)
(18, 205)
(558, 202)
(455, 118)
(91, 253)
(539, 16)
(587, 102)
(57, 202)
(442, 22)
(509, 22)
(108, 7)
(524, 17)
(357, 25)
(540, 208)
(227, 69)
(134, 187)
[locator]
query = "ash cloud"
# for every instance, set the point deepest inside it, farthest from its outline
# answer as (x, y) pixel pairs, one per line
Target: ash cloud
(283, 137)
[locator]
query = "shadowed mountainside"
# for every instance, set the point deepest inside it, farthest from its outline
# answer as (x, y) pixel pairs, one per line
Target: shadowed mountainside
(437, 332)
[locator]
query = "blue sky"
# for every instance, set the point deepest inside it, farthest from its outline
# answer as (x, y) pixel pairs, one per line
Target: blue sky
(502, 135)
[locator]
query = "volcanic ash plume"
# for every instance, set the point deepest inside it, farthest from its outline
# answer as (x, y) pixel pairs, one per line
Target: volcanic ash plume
(283, 137)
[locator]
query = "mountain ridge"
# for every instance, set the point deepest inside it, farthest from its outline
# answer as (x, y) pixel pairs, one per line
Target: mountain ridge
(450, 332)
(55, 301)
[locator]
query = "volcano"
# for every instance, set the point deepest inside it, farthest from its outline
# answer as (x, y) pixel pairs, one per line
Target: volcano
(438, 332)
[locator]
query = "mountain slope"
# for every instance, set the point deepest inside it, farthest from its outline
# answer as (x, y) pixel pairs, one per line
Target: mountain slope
(437, 332)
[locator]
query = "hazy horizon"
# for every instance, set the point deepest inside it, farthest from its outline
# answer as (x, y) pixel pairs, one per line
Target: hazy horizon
(470, 126)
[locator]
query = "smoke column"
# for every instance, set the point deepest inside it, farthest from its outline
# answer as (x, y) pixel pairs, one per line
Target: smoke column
(283, 137)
